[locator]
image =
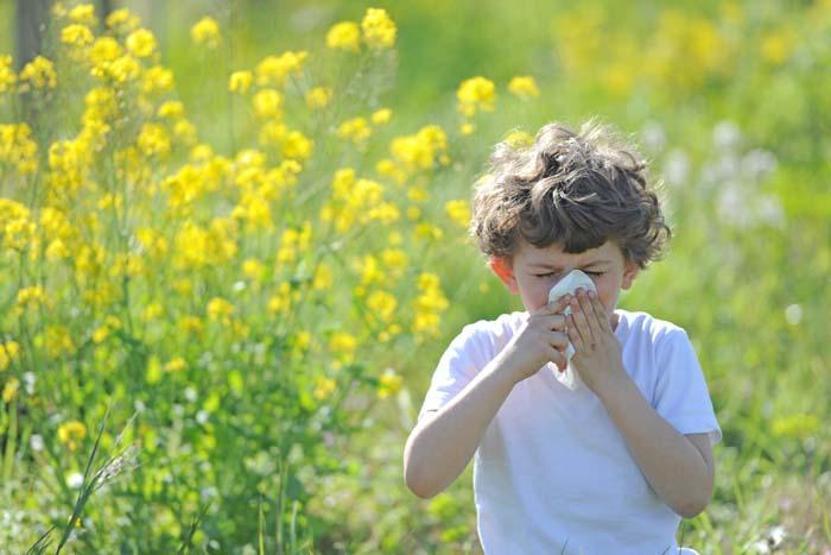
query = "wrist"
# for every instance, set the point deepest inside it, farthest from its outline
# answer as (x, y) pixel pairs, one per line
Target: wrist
(506, 369)
(612, 385)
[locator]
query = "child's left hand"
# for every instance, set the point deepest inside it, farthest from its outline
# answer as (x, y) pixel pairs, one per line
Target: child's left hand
(597, 354)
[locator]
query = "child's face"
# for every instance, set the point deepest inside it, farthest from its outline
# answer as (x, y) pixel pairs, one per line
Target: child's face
(535, 270)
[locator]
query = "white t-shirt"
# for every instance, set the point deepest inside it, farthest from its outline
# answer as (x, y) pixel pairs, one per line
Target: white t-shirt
(552, 473)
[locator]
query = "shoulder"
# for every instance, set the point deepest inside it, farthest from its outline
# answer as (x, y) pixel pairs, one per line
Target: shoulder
(489, 334)
(645, 327)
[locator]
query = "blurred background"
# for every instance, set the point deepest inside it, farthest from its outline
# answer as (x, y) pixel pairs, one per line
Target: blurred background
(729, 103)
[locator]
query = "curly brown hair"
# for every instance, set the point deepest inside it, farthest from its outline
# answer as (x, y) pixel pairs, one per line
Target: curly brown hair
(577, 190)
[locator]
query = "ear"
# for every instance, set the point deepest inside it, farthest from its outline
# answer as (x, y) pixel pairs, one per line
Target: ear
(502, 268)
(630, 272)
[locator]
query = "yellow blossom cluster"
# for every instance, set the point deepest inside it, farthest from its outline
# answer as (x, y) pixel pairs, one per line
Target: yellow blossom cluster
(359, 130)
(324, 387)
(377, 30)
(16, 226)
(205, 32)
(38, 74)
(8, 78)
(71, 433)
(9, 350)
(415, 153)
(10, 390)
(220, 310)
(428, 306)
(259, 187)
(17, 148)
(357, 201)
(524, 87)
(272, 71)
(389, 383)
(283, 299)
(459, 212)
(318, 97)
(474, 94)
(293, 243)
(342, 345)
(197, 246)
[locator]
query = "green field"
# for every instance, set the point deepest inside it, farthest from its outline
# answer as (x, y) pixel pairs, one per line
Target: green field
(233, 249)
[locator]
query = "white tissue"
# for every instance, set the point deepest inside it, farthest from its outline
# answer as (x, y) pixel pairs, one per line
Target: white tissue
(569, 284)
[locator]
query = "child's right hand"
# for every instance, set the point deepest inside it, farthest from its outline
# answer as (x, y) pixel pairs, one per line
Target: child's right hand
(542, 339)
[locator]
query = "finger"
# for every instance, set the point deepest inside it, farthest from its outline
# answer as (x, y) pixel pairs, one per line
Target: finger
(574, 334)
(590, 318)
(600, 313)
(558, 340)
(560, 360)
(557, 306)
(580, 321)
(555, 322)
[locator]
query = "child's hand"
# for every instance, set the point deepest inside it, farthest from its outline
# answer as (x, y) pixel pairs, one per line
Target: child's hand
(597, 355)
(542, 339)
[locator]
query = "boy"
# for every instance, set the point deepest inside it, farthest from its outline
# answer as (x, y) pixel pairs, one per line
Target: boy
(608, 468)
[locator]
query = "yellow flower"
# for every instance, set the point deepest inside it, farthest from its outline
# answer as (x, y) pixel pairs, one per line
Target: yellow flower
(268, 103)
(323, 387)
(175, 364)
(355, 129)
(323, 277)
(524, 87)
(240, 81)
(382, 116)
(7, 75)
(382, 305)
(253, 269)
(345, 35)
(205, 32)
(71, 433)
(459, 212)
(141, 43)
(344, 345)
(318, 97)
(153, 140)
(777, 46)
(476, 93)
(467, 128)
(19, 150)
(8, 352)
(422, 150)
(220, 309)
(296, 146)
(173, 109)
(378, 28)
(39, 73)
(77, 35)
(122, 20)
(389, 383)
(156, 79)
(104, 50)
(273, 70)
(10, 389)
(84, 14)
(519, 139)
(122, 69)
(798, 426)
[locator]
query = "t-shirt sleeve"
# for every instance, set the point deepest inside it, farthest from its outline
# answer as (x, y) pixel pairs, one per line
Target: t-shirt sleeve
(461, 361)
(681, 394)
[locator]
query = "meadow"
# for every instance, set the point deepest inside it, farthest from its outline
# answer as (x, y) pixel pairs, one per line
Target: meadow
(233, 246)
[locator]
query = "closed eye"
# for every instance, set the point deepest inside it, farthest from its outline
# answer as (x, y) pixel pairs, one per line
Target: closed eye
(550, 274)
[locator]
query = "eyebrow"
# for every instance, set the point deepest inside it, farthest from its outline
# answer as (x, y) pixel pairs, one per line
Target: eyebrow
(553, 267)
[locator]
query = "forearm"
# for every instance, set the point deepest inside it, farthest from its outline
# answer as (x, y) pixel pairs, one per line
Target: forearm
(440, 447)
(673, 466)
